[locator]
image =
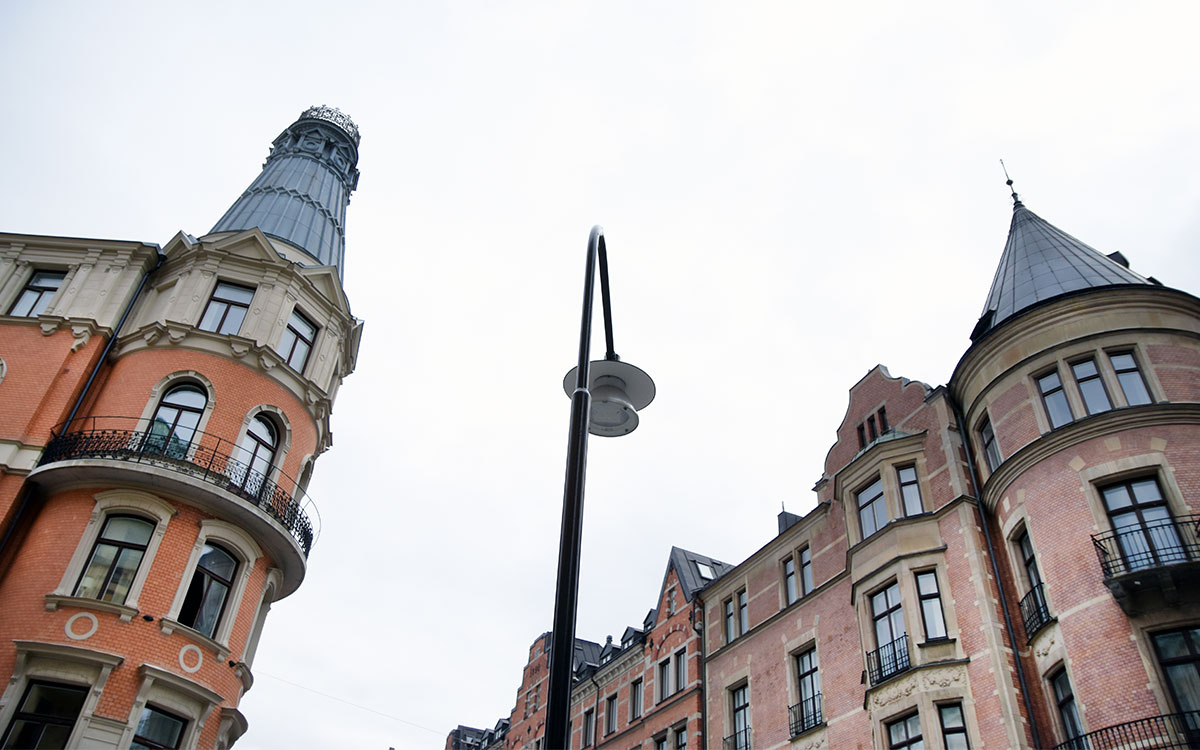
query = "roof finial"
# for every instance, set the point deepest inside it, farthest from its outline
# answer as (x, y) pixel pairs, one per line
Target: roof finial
(1016, 201)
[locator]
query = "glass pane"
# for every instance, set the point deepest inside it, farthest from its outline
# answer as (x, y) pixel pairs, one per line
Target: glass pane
(122, 577)
(927, 583)
(24, 734)
(1123, 361)
(1171, 645)
(1116, 497)
(130, 530)
(47, 279)
(898, 624)
(896, 733)
(235, 293)
(97, 570)
(1185, 683)
(216, 560)
(1134, 388)
(186, 395)
(1094, 396)
(952, 717)
(54, 737)
(210, 609)
(935, 626)
(24, 306)
(233, 320)
(159, 727)
(58, 701)
(912, 500)
(262, 429)
(1146, 491)
(212, 315)
(1060, 411)
(957, 741)
(1049, 382)
(908, 474)
(893, 595)
(1085, 369)
(306, 329)
(299, 355)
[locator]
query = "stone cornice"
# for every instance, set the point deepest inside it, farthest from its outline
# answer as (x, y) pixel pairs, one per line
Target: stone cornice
(1079, 431)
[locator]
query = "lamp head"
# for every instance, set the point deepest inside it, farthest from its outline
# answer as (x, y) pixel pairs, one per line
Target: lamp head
(619, 390)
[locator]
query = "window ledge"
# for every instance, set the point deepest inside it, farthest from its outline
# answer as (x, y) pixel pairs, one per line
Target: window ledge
(54, 601)
(936, 642)
(171, 626)
(810, 730)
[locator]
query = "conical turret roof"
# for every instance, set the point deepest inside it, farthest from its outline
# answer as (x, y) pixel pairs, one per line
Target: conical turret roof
(1041, 262)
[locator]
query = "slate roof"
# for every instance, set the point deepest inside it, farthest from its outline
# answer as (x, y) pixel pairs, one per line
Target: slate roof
(1041, 262)
(690, 579)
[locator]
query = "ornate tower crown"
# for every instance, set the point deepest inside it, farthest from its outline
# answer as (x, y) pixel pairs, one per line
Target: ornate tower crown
(304, 188)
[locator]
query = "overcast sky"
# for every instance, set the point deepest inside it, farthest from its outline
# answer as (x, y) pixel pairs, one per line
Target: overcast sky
(792, 193)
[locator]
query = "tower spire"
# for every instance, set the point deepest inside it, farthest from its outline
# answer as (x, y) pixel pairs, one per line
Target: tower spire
(1008, 181)
(300, 197)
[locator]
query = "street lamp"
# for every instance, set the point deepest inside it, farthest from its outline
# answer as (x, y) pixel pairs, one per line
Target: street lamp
(605, 398)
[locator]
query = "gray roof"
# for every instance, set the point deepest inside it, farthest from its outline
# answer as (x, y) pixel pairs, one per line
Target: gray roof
(302, 193)
(1041, 262)
(685, 563)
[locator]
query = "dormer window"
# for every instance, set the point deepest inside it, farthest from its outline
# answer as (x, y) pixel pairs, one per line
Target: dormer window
(226, 308)
(297, 341)
(706, 571)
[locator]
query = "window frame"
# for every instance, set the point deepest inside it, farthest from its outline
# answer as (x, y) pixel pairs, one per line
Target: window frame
(229, 303)
(45, 719)
(1097, 377)
(121, 547)
(610, 714)
(740, 712)
(1069, 733)
(1137, 369)
(154, 744)
(637, 696)
(730, 621)
(680, 675)
(904, 721)
(992, 457)
(743, 609)
(936, 597)
(1053, 393)
(875, 502)
(806, 574)
(1192, 644)
(947, 731)
(298, 338)
(914, 484)
(791, 589)
(1151, 542)
(589, 728)
(43, 300)
(809, 674)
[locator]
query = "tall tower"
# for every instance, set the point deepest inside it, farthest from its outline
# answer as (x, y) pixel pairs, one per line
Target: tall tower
(1081, 394)
(160, 414)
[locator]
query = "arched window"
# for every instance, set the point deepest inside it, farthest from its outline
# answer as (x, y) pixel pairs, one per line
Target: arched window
(211, 582)
(173, 425)
(257, 454)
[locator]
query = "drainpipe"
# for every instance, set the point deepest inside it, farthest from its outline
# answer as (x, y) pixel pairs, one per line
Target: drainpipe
(987, 536)
(699, 628)
(26, 492)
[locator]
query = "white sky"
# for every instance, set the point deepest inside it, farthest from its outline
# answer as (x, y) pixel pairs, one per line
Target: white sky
(792, 193)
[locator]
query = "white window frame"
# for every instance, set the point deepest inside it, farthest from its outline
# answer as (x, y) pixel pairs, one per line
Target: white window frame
(247, 552)
(160, 389)
(108, 503)
(170, 692)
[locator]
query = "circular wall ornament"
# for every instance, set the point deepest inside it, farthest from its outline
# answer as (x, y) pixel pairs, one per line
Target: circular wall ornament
(183, 661)
(69, 628)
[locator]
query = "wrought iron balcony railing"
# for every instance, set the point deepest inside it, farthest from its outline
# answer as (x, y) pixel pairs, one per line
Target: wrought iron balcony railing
(1167, 732)
(1034, 611)
(207, 457)
(738, 740)
(805, 715)
(1141, 546)
(888, 660)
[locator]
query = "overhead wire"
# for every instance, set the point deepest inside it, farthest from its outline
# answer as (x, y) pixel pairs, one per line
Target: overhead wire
(258, 673)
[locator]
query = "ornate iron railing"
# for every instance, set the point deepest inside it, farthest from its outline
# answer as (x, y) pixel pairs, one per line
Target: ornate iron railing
(805, 715)
(738, 740)
(208, 457)
(1167, 732)
(1128, 549)
(1034, 611)
(888, 660)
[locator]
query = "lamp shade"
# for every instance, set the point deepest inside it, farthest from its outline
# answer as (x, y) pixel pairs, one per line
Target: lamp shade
(619, 390)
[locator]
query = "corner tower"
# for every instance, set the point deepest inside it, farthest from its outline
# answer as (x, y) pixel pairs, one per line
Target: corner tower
(164, 410)
(1081, 396)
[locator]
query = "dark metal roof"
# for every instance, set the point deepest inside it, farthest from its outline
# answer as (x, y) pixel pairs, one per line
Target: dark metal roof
(302, 193)
(1040, 262)
(690, 579)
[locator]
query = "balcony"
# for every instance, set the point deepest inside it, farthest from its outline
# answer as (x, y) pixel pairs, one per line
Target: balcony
(805, 715)
(206, 457)
(738, 740)
(1034, 612)
(888, 660)
(1165, 732)
(1153, 564)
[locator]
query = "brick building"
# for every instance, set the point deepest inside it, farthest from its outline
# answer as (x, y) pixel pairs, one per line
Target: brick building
(161, 410)
(1009, 560)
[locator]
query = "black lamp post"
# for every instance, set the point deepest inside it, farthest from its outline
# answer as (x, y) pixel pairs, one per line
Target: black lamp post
(619, 390)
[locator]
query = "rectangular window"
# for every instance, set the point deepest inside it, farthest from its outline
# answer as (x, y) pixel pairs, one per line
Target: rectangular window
(680, 670)
(664, 680)
(1147, 535)
(740, 702)
(743, 613)
(931, 606)
(45, 716)
(862, 437)
(660, 743)
(954, 727)
(806, 574)
(226, 308)
(991, 451)
(1091, 387)
(905, 734)
(635, 699)
(872, 513)
(589, 728)
(730, 622)
(791, 593)
(158, 729)
(1179, 658)
(1055, 399)
(910, 491)
(681, 739)
(807, 713)
(871, 427)
(883, 423)
(891, 637)
(115, 559)
(1064, 698)
(1133, 385)
(297, 341)
(610, 714)
(36, 295)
